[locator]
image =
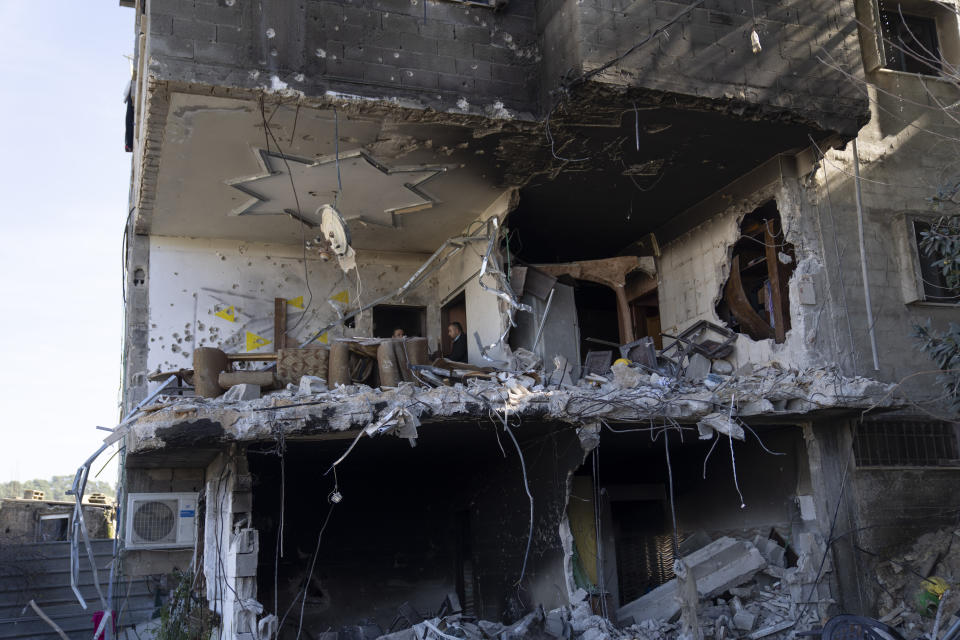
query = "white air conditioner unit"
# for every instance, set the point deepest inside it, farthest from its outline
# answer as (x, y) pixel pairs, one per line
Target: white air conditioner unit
(161, 520)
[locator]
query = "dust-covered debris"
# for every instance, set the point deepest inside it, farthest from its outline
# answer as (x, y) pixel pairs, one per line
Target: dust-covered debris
(770, 390)
(917, 583)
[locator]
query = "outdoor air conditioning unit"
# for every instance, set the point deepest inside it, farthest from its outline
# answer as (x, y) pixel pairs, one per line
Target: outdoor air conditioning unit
(161, 520)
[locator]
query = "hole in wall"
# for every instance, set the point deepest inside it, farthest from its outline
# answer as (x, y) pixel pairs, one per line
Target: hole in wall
(755, 298)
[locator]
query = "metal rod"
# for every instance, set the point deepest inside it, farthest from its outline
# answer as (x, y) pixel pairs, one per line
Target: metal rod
(543, 321)
(863, 258)
(458, 245)
(251, 357)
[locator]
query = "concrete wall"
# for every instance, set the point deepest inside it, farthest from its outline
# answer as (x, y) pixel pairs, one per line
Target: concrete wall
(905, 160)
(895, 506)
(693, 269)
(230, 547)
(708, 52)
(20, 519)
(192, 281)
(434, 51)
(458, 57)
(485, 311)
(500, 542)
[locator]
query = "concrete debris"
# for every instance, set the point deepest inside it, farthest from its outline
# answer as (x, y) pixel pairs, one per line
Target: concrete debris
(242, 393)
(721, 367)
(716, 567)
(913, 585)
(732, 596)
(698, 367)
(310, 385)
(720, 423)
(769, 390)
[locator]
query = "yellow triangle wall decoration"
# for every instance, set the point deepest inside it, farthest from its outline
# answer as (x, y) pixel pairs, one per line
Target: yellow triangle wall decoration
(255, 342)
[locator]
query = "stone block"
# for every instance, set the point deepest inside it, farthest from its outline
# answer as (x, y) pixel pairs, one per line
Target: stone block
(171, 46)
(744, 620)
(698, 367)
(186, 479)
(716, 567)
(310, 385)
(245, 565)
(193, 30)
(242, 392)
(242, 502)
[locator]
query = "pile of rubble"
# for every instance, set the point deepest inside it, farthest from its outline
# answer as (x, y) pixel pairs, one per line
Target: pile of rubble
(917, 585)
(744, 590)
(626, 394)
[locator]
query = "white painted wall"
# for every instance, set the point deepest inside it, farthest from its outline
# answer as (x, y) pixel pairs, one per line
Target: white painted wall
(191, 281)
(486, 313)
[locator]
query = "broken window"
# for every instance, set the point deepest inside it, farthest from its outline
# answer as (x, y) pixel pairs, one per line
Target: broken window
(755, 299)
(53, 528)
(906, 443)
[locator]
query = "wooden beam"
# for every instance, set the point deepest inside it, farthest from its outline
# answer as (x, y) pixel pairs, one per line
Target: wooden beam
(776, 290)
(280, 323)
(736, 298)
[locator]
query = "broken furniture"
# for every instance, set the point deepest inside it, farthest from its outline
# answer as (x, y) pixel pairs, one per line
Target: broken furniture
(692, 345)
(346, 361)
(184, 380)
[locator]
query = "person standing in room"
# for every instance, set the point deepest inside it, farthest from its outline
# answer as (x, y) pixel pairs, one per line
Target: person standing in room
(458, 342)
(398, 333)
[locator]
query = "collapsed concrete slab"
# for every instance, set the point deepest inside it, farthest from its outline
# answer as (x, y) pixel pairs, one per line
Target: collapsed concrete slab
(717, 567)
(782, 392)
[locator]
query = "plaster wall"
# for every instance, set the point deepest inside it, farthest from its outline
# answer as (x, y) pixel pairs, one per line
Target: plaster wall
(221, 293)
(486, 313)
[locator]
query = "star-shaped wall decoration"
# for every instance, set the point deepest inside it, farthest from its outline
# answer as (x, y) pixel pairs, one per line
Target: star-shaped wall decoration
(368, 191)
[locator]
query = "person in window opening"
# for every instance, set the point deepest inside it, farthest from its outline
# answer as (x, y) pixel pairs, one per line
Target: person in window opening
(458, 344)
(398, 333)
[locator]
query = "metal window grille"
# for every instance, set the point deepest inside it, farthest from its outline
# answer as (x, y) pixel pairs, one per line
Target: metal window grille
(906, 443)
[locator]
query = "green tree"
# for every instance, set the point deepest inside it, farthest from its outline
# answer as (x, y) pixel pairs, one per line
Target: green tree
(942, 243)
(55, 488)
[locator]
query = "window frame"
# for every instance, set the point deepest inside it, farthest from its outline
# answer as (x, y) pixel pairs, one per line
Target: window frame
(947, 25)
(911, 263)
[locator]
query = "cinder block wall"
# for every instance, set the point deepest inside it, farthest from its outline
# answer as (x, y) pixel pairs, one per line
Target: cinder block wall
(451, 56)
(708, 52)
(436, 51)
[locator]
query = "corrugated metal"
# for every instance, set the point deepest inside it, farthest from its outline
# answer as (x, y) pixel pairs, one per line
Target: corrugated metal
(42, 572)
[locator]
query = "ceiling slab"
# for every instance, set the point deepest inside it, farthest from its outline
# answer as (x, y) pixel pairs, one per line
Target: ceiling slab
(402, 186)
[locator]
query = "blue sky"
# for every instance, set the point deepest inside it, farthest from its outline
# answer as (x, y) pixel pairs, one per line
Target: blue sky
(65, 179)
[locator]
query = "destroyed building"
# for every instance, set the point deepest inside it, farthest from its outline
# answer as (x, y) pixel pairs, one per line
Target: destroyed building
(676, 187)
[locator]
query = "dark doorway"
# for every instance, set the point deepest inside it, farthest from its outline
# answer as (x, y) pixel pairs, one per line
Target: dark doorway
(387, 317)
(596, 316)
(453, 311)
